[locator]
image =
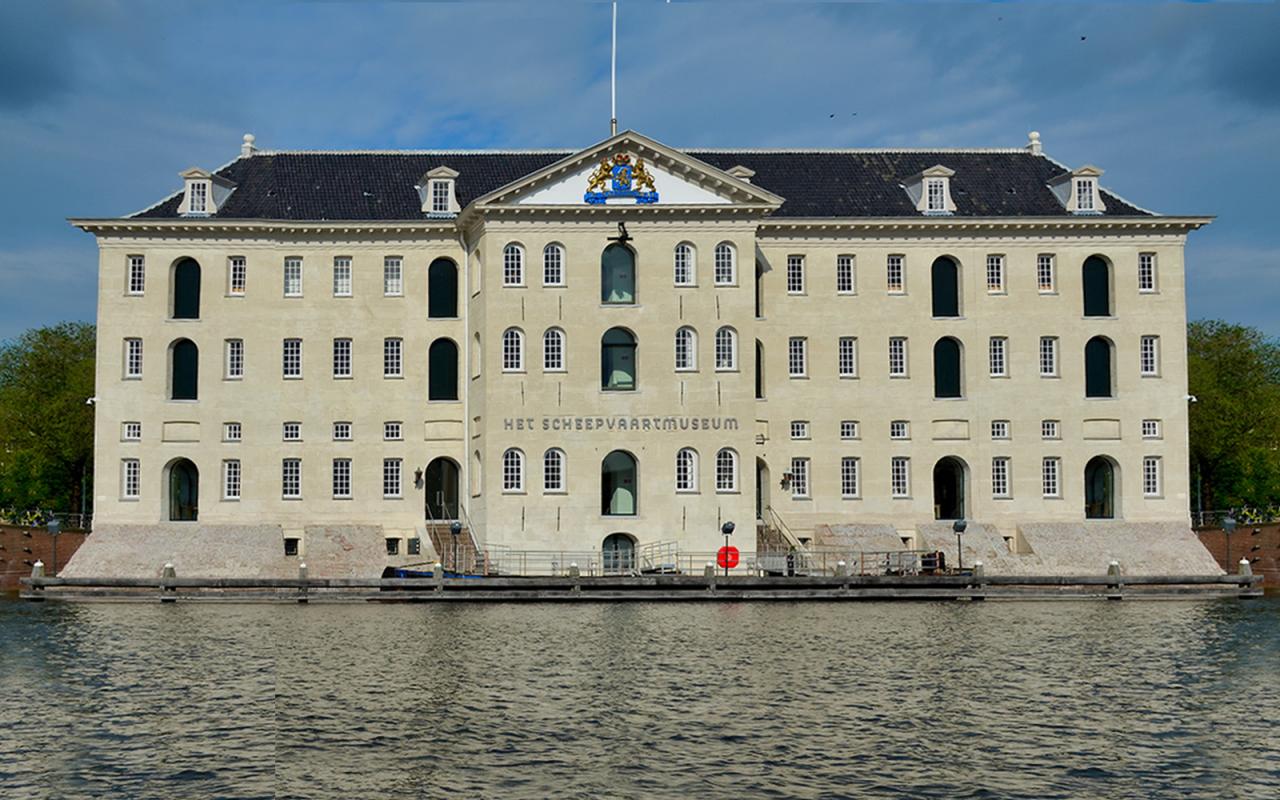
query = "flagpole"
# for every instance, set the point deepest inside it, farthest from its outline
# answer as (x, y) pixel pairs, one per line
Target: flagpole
(613, 76)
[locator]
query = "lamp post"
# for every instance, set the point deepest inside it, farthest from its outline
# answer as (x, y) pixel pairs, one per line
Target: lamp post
(55, 528)
(455, 528)
(958, 526)
(1228, 527)
(727, 530)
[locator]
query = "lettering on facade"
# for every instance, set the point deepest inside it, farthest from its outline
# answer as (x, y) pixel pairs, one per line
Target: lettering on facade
(619, 424)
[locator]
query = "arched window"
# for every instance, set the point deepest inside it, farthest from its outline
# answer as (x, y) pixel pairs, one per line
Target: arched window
(1099, 488)
(759, 370)
(617, 274)
(618, 484)
(618, 553)
(726, 349)
(553, 265)
(1097, 368)
(946, 368)
(442, 370)
(726, 470)
(946, 288)
(184, 370)
(1096, 280)
(186, 289)
(618, 360)
(442, 289)
(513, 265)
(686, 470)
(726, 265)
(553, 479)
(686, 349)
(513, 470)
(686, 269)
(184, 491)
(513, 350)
(553, 350)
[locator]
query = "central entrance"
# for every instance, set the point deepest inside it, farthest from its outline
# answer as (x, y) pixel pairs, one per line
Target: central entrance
(442, 490)
(948, 488)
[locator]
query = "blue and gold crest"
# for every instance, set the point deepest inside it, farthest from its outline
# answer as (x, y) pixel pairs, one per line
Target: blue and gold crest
(623, 179)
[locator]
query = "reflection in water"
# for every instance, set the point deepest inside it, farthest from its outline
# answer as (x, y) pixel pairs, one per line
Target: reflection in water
(1036, 700)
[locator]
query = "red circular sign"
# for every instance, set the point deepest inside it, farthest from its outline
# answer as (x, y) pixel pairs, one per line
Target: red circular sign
(727, 557)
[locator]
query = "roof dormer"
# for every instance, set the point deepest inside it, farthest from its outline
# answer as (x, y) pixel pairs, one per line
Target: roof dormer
(1078, 190)
(930, 191)
(203, 192)
(438, 190)
(741, 173)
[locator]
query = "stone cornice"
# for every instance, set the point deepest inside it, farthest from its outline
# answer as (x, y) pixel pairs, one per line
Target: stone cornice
(242, 226)
(981, 224)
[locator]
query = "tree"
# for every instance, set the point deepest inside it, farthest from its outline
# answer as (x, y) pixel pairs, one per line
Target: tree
(46, 425)
(1234, 374)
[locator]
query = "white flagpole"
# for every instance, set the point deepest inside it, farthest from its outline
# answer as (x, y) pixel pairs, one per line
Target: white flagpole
(613, 76)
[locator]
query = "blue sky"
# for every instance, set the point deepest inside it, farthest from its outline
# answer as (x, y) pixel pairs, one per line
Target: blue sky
(102, 103)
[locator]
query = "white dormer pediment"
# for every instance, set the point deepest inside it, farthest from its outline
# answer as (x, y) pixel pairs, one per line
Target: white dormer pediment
(1079, 190)
(203, 192)
(438, 191)
(930, 190)
(629, 170)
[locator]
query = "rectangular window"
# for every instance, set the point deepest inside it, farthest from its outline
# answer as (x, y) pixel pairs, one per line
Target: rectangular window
(1050, 429)
(231, 479)
(342, 358)
(997, 356)
(291, 478)
(342, 431)
(1084, 194)
(391, 469)
(1146, 272)
(235, 358)
(1151, 476)
(1151, 429)
(799, 429)
(237, 275)
(1048, 356)
(293, 276)
(1150, 355)
(131, 432)
(439, 197)
(1046, 279)
(999, 429)
(797, 356)
(342, 276)
(849, 487)
(1000, 476)
(849, 429)
(1049, 471)
(895, 274)
(291, 431)
(392, 358)
(897, 356)
(935, 192)
(393, 545)
(845, 282)
(799, 478)
(133, 358)
(130, 479)
(795, 274)
(391, 431)
(995, 274)
(231, 431)
(292, 358)
(900, 476)
(199, 202)
(392, 276)
(848, 357)
(137, 275)
(341, 478)
(899, 429)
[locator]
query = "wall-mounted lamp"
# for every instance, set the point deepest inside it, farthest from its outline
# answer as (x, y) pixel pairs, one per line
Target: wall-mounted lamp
(785, 483)
(417, 478)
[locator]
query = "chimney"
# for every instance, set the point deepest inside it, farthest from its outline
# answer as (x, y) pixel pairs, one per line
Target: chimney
(1033, 143)
(247, 149)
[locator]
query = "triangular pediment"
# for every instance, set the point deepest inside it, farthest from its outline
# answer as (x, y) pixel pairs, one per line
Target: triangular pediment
(653, 175)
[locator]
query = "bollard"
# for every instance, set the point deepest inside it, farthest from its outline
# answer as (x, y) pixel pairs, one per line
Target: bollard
(979, 578)
(842, 569)
(437, 574)
(575, 572)
(302, 587)
(168, 592)
(37, 571)
(1245, 567)
(1116, 584)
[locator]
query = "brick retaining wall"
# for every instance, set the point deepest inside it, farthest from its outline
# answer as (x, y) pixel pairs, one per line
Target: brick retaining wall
(21, 547)
(1261, 548)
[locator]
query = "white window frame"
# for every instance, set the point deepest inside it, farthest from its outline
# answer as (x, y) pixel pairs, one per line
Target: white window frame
(1147, 273)
(1049, 356)
(795, 274)
(131, 431)
(341, 479)
(1149, 356)
(846, 274)
(291, 431)
(293, 276)
(553, 471)
(513, 265)
(1086, 194)
(998, 356)
(237, 276)
(392, 357)
(136, 277)
(726, 349)
(686, 470)
(198, 202)
(1051, 429)
(1047, 273)
(800, 478)
(233, 350)
(513, 471)
(133, 358)
(898, 357)
(726, 471)
(995, 274)
(1000, 429)
(291, 359)
(935, 195)
(899, 430)
(130, 479)
(800, 429)
(393, 431)
(1152, 483)
(231, 479)
(291, 478)
(553, 350)
(900, 477)
(440, 193)
(798, 357)
(1151, 429)
(342, 358)
(392, 478)
(895, 267)
(553, 263)
(684, 265)
(1000, 477)
(850, 478)
(849, 429)
(686, 349)
(726, 265)
(342, 276)
(393, 276)
(847, 357)
(342, 431)
(1051, 477)
(232, 432)
(513, 350)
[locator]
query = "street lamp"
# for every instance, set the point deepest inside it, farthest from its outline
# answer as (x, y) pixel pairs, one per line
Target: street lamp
(455, 528)
(1228, 527)
(727, 530)
(958, 526)
(55, 527)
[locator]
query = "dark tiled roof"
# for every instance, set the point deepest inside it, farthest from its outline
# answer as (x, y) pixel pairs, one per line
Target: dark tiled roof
(380, 186)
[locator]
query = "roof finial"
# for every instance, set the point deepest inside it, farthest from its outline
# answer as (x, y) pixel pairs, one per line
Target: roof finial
(1033, 143)
(248, 147)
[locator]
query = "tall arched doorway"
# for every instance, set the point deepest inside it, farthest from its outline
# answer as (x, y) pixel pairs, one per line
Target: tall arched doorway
(618, 275)
(184, 491)
(442, 289)
(618, 360)
(618, 484)
(762, 487)
(186, 289)
(948, 488)
(619, 553)
(441, 480)
(946, 288)
(1099, 489)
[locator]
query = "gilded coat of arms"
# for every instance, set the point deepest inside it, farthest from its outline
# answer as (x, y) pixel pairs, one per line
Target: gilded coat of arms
(619, 178)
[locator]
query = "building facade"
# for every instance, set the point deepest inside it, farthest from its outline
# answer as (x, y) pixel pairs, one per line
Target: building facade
(601, 349)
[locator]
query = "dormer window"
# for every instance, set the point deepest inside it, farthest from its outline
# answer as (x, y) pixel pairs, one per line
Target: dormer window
(438, 192)
(203, 193)
(1078, 191)
(930, 191)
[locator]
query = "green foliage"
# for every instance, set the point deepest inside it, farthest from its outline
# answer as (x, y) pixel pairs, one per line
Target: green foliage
(1234, 373)
(46, 427)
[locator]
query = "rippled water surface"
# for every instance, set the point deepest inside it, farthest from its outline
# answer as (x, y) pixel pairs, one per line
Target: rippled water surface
(1034, 700)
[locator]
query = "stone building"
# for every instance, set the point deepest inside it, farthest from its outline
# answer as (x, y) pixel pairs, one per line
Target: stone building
(604, 349)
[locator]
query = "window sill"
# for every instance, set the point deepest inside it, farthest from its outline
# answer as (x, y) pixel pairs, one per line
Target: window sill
(848, 377)
(436, 400)
(393, 377)
(727, 370)
(231, 499)
(728, 491)
(234, 294)
(555, 492)
(850, 497)
(957, 317)
(292, 498)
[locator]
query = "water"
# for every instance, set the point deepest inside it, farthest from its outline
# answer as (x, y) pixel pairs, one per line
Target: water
(1035, 700)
